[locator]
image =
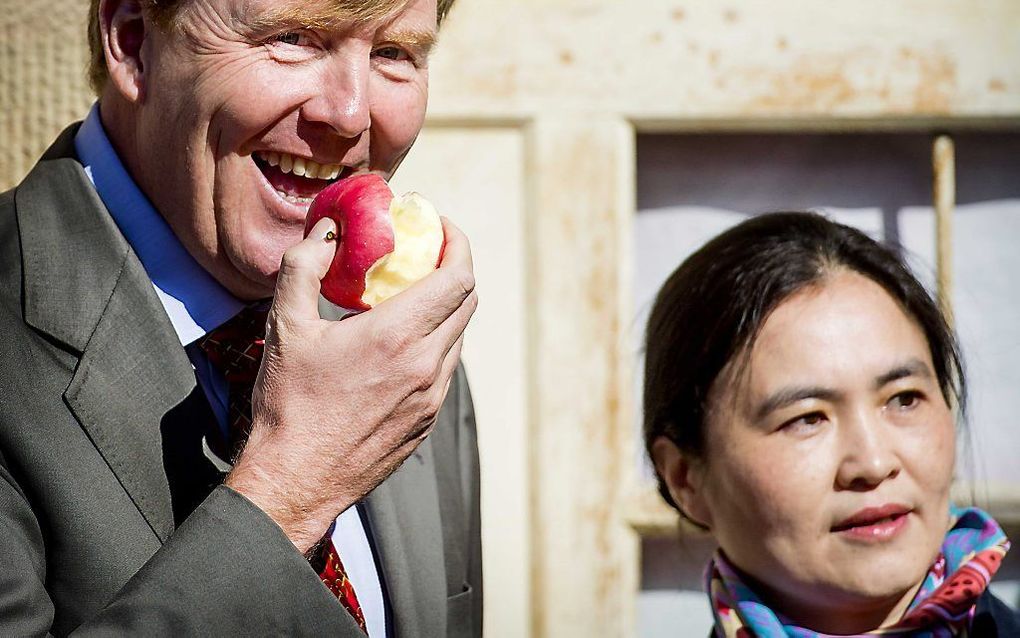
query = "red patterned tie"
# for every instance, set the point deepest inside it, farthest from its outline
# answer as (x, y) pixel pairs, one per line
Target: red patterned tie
(236, 349)
(334, 576)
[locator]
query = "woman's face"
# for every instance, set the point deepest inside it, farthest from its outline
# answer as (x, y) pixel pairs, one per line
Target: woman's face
(828, 459)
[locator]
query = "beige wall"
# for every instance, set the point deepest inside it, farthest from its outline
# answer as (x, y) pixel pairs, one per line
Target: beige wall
(673, 61)
(530, 147)
(42, 78)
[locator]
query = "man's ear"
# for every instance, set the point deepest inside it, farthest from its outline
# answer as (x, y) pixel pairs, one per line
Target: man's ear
(683, 476)
(123, 29)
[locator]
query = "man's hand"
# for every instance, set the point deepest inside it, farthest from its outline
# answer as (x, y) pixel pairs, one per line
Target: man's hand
(339, 405)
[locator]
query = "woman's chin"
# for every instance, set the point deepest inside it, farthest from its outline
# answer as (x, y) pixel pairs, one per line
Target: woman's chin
(861, 601)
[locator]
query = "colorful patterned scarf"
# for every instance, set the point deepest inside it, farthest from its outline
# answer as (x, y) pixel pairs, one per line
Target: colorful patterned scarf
(943, 607)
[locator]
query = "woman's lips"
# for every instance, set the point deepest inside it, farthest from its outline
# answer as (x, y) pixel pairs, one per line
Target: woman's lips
(874, 523)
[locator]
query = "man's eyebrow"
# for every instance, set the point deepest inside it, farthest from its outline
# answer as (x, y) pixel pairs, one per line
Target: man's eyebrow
(911, 368)
(790, 395)
(419, 41)
(318, 15)
(288, 16)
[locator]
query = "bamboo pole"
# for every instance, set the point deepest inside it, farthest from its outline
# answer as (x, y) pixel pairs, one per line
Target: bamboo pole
(944, 197)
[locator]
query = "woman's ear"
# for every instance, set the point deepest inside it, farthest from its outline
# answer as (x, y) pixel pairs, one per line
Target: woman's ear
(684, 478)
(123, 28)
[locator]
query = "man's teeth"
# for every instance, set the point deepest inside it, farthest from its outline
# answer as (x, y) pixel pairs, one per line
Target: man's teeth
(304, 201)
(300, 166)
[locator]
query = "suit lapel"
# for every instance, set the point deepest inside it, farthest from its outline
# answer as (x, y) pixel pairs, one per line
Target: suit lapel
(403, 514)
(85, 288)
(124, 386)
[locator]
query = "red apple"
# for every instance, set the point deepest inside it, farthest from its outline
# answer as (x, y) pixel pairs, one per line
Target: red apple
(385, 243)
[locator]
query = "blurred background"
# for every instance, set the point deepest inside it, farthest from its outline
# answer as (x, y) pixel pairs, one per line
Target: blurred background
(587, 147)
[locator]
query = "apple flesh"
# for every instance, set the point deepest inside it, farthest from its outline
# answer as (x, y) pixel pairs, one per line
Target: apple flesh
(385, 243)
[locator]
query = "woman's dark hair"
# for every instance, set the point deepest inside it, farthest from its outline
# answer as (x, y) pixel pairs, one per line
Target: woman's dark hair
(713, 307)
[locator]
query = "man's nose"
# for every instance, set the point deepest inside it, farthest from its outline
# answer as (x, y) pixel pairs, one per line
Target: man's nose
(342, 100)
(868, 447)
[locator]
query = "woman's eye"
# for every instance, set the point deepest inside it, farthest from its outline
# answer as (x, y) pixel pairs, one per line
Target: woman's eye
(906, 400)
(812, 419)
(805, 421)
(391, 53)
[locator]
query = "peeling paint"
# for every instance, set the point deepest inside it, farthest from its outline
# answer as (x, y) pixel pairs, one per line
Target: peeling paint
(912, 81)
(936, 81)
(580, 255)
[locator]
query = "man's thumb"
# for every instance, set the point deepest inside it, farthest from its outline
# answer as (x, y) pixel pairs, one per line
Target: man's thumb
(302, 268)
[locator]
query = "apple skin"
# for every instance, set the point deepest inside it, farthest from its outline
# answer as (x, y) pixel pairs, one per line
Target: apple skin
(360, 207)
(385, 243)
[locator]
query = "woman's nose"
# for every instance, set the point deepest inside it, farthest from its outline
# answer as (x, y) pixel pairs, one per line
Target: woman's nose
(341, 101)
(868, 452)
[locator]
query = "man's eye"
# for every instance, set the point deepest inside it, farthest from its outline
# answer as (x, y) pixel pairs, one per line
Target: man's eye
(391, 53)
(291, 37)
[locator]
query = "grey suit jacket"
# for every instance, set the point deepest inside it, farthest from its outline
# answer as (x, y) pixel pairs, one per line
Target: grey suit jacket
(113, 521)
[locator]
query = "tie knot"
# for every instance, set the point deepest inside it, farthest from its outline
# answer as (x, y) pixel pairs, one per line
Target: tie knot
(236, 347)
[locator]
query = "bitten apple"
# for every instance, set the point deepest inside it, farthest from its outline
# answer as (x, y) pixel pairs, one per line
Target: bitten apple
(385, 243)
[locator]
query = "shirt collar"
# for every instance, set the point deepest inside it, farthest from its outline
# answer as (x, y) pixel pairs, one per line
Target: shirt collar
(195, 302)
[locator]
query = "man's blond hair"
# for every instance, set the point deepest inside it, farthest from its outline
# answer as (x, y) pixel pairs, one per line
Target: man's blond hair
(164, 14)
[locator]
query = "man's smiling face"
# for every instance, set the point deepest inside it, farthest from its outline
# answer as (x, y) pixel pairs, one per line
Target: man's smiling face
(249, 108)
